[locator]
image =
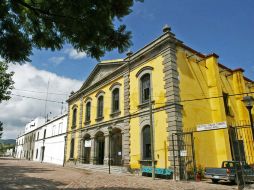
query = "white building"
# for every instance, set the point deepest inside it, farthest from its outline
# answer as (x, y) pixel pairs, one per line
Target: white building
(50, 141)
(25, 141)
(44, 142)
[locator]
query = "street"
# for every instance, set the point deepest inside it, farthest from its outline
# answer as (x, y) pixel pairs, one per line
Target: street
(22, 174)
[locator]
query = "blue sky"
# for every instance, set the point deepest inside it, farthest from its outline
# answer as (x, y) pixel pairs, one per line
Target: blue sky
(225, 27)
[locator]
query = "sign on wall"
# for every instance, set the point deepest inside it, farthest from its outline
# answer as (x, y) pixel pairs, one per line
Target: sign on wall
(212, 126)
(88, 143)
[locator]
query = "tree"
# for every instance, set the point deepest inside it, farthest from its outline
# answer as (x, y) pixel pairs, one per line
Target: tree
(6, 82)
(1, 129)
(88, 25)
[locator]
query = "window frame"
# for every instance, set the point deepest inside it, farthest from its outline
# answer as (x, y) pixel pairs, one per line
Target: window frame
(74, 116)
(114, 110)
(142, 89)
(145, 142)
(139, 75)
(100, 107)
(72, 147)
(88, 119)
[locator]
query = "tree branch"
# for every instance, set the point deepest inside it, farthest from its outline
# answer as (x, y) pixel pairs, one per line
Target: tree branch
(39, 11)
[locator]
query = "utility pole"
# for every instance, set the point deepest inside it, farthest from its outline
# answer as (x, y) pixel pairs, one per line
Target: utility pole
(151, 135)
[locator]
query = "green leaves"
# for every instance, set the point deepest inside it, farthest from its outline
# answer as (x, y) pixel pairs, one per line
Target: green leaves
(86, 24)
(6, 83)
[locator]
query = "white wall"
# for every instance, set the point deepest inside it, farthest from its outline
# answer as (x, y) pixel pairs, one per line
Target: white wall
(54, 141)
(19, 150)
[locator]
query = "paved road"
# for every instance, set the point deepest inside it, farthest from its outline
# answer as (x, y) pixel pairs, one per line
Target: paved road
(21, 174)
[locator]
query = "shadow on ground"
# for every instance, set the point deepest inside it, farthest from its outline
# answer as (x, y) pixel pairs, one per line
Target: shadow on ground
(16, 177)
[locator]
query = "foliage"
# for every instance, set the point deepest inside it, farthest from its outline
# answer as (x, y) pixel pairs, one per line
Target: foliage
(5, 147)
(88, 25)
(201, 171)
(1, 129)
(6, 82)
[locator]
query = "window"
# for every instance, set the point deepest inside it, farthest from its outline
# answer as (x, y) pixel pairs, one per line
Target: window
(36, 156)
(88, 111)
(145, 88)
(44, 135)
(115, 100)
(72, 149)
(100, 107)
(38, 135)
(225, 100)
(60, 130)
(53, 130)
(146, 143)
(74, 117)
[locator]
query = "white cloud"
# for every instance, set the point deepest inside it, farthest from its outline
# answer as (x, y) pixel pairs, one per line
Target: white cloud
(16, 112)
(74, 54)
(56, 60)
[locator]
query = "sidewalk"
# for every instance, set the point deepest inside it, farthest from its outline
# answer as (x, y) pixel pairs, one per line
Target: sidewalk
(22, 174)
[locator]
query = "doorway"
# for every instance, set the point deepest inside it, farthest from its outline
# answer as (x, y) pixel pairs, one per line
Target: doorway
(87, 149)
(116, 147)
(100, 143)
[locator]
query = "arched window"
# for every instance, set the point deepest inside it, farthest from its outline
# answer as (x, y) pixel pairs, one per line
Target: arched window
(115, 100)
(145, 88)
(88, 111)
(146, 137)
(74, 117)
(100, 107)
(72, 149)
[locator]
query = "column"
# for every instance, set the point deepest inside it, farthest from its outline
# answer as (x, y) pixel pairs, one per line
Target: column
(123, 160)
(106, 150)
(93, 151)
(81, 148)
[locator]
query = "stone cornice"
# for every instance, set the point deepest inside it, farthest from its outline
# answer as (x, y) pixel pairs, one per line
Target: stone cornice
(135, 57)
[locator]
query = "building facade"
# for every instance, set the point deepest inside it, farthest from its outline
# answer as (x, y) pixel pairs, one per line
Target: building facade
(25, 142)
(50, 141)
(183, 88)
(44, 142)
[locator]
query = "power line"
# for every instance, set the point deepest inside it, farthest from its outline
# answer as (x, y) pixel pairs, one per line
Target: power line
(206, 98)
(38, 98)
(40, 92)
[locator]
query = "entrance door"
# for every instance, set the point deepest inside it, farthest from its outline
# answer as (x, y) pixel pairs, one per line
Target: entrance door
(42, 153)
(87, 151)
(101, 151)
(116, 148)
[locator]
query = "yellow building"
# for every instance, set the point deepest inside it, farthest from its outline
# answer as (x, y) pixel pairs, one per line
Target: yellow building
(188, 90)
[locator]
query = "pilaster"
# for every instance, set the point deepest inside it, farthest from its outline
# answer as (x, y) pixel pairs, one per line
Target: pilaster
(106, 150)
(126, 129)
(174, 109)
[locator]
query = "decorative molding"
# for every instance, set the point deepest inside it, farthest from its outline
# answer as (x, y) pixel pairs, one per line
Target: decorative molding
(88, 99)
(99, 119)
(146, 68)
(99, 93)
(74, 106)
(115, 114)
(115, 85)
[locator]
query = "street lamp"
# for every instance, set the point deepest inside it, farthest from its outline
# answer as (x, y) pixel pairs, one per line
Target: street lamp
(249, 102)
(109, 153)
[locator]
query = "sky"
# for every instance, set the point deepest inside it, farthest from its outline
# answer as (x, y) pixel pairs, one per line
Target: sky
(224, 27)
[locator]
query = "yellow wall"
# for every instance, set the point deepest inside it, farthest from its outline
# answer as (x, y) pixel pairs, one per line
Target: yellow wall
(159, 118)
(106, 113)
(107, 102)
(69, 135)
(201, 80)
